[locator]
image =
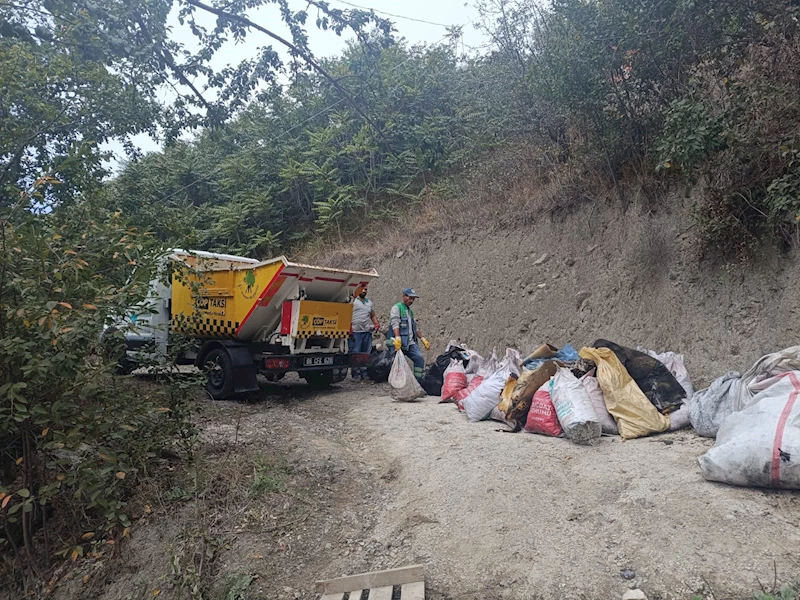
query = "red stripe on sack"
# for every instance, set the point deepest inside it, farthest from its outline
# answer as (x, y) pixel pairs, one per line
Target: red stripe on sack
(330, 279)
(776, 447)
(261, 297)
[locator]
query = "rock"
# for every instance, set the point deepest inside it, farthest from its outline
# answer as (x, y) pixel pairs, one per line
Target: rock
(400, 254)
(569, 262)
(541, 259)
(591, 249)
(541, 286)
(634, 595)
(627, 574)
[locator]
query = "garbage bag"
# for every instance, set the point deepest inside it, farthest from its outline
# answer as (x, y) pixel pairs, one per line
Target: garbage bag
(498, 415)
(485, 397)
(474, 363)
(574, 408)
(760, 445)
(675, 364)
(506, 394)
(462, 395)
(526, 385)
(592, 386)
(489, 365)
(480, 402)
(514, 358)
(542, 416)
(405, 386)
(681, 418)
(547, 352)
(765, 367)
(380, 363)
(455, 379)
(710, 406)
(652, 377)
(433, 380)
(633, 412)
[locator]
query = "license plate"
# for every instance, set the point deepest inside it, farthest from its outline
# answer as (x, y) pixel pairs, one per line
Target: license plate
(318, 361)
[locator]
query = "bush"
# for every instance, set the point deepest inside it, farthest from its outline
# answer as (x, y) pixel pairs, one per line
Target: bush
(75, 441)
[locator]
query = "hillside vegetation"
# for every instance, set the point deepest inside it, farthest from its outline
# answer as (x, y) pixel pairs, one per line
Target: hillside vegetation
(653, 93)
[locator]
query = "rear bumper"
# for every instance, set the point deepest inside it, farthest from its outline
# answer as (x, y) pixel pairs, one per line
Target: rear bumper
(304, 363)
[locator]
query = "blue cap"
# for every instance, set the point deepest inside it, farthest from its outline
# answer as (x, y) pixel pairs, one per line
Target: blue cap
(410, 293)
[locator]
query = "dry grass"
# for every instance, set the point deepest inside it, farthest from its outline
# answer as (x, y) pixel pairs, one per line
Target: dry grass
(510, 189)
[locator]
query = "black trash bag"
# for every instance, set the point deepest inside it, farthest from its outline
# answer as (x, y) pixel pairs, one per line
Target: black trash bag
(380, 363)
(433, 380)
(652, 377)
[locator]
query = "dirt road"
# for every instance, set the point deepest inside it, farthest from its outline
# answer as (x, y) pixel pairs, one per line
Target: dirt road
(489, 514)
(526, 516)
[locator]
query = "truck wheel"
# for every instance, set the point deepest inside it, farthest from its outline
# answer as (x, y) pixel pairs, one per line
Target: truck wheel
(125, 366)
(110, 350)
(219, 374)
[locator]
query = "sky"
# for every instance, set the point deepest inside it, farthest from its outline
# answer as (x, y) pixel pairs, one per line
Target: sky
(407, 17)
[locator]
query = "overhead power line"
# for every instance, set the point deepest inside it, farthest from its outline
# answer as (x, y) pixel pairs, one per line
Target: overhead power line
(383, 12)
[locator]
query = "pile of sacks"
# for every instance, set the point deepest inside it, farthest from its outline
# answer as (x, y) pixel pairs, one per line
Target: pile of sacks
(603, 389)
(607, 389)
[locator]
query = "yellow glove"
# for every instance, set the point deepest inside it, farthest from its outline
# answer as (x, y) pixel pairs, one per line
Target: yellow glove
(398, 343)
(425, 343)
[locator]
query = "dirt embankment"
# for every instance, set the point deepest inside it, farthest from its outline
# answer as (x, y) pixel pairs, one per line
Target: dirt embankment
(632, 276)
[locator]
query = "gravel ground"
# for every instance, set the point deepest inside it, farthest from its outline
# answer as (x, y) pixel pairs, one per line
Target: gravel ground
(526, 516)
(376, 484)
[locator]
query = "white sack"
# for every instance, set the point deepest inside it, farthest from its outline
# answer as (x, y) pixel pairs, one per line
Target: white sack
(760, 445)
(607, 422)
(405, 386)
(479, 404)
(765, 367)
(574, 408)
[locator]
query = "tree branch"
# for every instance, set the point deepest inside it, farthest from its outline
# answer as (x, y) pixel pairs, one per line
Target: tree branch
(296, 50)
(166, 55)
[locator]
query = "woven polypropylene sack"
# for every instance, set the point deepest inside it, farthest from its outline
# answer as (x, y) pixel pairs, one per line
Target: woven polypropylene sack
(760, 445)
(574, 408)
(405, 386)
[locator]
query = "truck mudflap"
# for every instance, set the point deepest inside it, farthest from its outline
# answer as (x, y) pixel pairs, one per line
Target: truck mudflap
(303, 363)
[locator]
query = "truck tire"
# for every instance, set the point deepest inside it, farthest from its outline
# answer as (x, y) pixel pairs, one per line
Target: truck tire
(219, 374)
(124, 366)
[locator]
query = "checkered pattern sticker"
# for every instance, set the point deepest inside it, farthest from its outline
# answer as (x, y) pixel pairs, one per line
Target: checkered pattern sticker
(207, 327)
(336, 335)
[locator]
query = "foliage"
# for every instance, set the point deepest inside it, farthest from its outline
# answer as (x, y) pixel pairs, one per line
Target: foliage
(786, 592)
(269, 477)
(690, 133)
(75, 74)
(304, 163)
(75, 442)
(705, 88)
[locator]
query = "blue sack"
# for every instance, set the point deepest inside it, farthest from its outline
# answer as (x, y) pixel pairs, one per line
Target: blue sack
(566, 354)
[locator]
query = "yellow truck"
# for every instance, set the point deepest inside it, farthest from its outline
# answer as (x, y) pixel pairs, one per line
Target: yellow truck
(247, 317)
